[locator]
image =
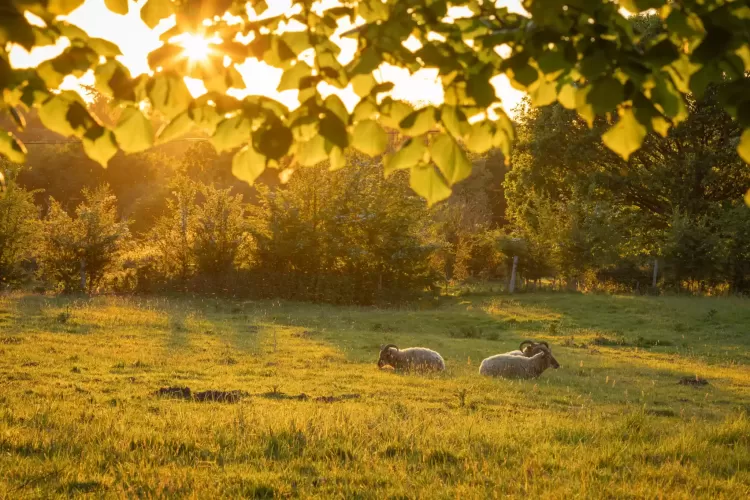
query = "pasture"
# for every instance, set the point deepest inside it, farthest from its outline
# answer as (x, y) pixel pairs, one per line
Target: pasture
(79, 414)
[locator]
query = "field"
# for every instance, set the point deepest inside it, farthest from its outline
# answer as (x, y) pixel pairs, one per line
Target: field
(78, 413)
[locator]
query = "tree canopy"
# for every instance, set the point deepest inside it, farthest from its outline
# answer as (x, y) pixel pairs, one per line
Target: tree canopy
(585, 54)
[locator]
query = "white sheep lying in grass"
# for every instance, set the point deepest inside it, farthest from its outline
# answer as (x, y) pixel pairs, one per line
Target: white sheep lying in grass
(521, 367)
(413, 358)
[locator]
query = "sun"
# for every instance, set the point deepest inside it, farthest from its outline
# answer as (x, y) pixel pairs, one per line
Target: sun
(196, 47)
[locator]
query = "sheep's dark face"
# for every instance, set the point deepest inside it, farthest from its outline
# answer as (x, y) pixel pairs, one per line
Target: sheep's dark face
(386, 356)
(551, 361)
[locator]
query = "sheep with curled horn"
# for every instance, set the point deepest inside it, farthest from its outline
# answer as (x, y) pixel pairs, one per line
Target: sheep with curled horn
(519, 367)
(413, 358)
(528, 348)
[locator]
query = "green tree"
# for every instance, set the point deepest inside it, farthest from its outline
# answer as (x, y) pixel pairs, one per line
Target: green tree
(20, 230)
(346, 236)
(586, 55)
(78, 252)
(653, 206)
(222, 239)
(173, 235)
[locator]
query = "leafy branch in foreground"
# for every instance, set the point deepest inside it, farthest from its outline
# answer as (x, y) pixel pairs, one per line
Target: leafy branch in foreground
(585, 54)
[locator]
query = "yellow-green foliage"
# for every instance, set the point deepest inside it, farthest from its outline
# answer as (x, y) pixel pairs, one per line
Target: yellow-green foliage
(77, 413)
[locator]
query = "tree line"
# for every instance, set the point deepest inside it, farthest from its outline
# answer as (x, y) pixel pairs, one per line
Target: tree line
(576, 215)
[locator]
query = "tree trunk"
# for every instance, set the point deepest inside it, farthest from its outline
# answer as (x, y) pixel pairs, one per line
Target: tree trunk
(656, 274)
(512, 287)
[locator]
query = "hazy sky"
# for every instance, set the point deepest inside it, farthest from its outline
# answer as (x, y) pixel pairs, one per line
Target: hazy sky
(136, 40)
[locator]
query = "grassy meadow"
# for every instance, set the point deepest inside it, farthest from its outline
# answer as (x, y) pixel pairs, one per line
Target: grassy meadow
(78, 413)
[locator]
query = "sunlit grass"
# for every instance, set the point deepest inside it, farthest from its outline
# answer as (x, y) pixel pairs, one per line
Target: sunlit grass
(77, 413)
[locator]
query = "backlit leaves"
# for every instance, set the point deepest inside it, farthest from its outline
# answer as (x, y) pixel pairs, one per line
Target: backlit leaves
(99, 145)
(450, 159)
(743, 148)
(626, 136)
(179, 126)
(11, 148)
(248, 164)
(117, 6)
(429, 184)
(412, 153)
(588, 57)
(153, 11)
(231, 133)
(134, 132)
(169, 94)
(369, 137)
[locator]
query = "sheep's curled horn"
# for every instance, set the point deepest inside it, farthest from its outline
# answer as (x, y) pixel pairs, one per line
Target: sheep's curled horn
(387, 346)
(530, 342)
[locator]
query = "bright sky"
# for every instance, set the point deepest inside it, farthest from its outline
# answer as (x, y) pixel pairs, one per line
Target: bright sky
(136, 40)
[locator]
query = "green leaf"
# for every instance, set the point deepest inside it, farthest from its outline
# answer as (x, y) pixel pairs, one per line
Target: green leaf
(234, 79)
(333, 129)
(52, 78)
(177, 127)
(411, 154)
(12, 148)
(543, 93)
(481, 90)
(274, 141)
(481, 137)
(427, 183)
(747, 195)
(169, 94)
(392, 112)
(626, 136)
(134, 132)
(104, 47)
(53, 114)
(662, 54)
(450, 159)
(248, 164)
(455, 122)
(669, 100)
(585, 110)
(419, 122)
(291, 78)
(605, 94)
(99, 145)
(156, 10)
(364, 110)
(372, 10)
(363, 84)
(297, 41)
(743, 148)
(113, 79)
(336, 159)
(567, 96)
(63, 7)
(336, 106)
(312, 152)
(231, 133)
(205, 117)
(370, 138)
(79, 118)
(117, 6)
